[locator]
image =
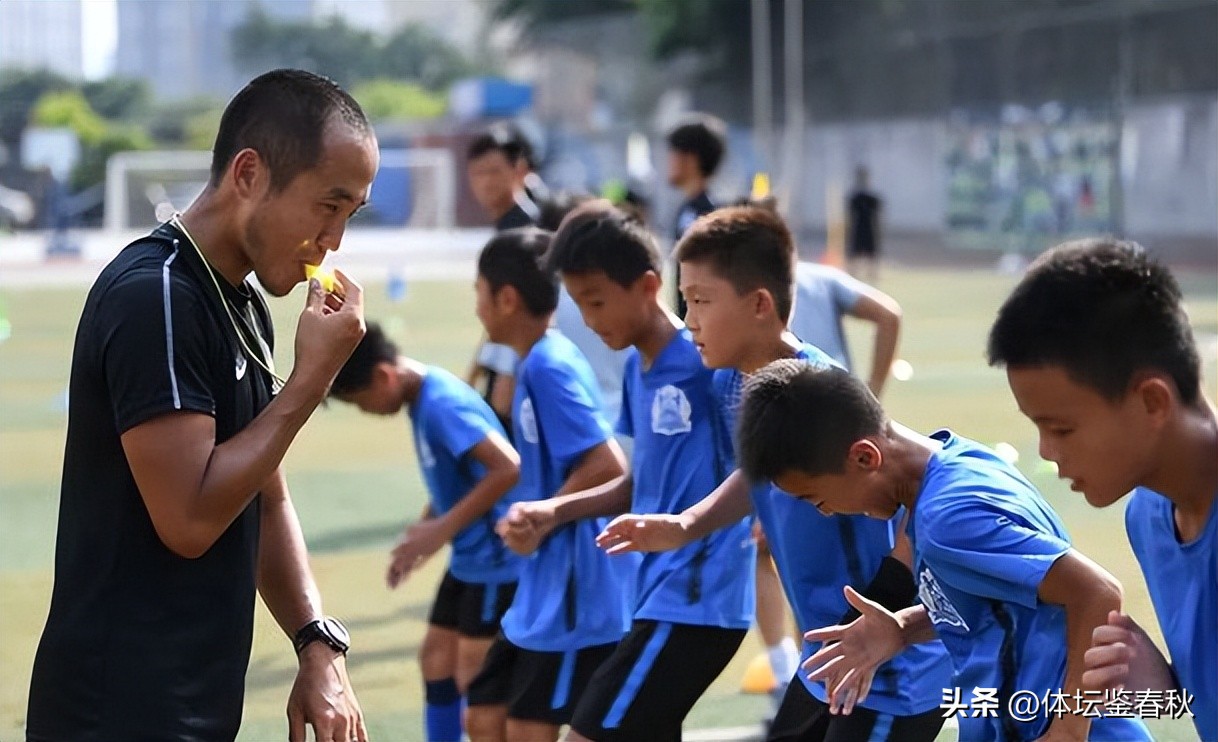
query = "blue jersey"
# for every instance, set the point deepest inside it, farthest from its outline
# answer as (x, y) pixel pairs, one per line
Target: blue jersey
(448, 420)
(571, 594)
(1183, 584)
(817, 556)
(678, 430)
(983, 541)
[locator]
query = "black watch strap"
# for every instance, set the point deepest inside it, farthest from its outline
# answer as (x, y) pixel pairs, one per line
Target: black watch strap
(329, 631)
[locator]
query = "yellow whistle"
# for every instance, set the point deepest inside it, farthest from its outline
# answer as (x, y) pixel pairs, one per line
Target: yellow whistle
(324, 277)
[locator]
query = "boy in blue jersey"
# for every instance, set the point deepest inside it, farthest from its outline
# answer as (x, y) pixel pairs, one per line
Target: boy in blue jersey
(1100, 355)
(737, 269)
(998, 581)
(694, 603)
(572, 602)
(470, 470)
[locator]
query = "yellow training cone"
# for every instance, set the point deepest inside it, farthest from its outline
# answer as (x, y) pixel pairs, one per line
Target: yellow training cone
(759, 676)
(761, 186)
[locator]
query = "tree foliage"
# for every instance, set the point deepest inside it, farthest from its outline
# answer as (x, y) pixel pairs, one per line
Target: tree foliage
(401, 101)
(19, 91)
(347, 54)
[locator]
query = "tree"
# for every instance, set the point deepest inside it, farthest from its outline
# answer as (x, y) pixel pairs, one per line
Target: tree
(119, 98)
(19, 90)
(415, 53)
(346, 54)
(98, 138)
(402, 101)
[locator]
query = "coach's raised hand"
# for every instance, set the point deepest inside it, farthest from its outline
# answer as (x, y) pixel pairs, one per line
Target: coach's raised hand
(325, 336)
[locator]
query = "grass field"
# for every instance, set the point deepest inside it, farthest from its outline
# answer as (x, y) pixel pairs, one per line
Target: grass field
(354, 481)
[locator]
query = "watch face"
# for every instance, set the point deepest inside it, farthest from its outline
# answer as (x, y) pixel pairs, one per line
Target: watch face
(336, 631)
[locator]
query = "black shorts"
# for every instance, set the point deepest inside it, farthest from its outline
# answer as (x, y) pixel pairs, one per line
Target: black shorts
(471, 609)
(535, 686)
(653, 679)
(803, 718)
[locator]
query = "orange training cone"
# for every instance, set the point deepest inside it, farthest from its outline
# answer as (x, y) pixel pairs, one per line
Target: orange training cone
(759, 676)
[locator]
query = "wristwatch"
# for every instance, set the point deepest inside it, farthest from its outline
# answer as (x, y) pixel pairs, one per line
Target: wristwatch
(328, 631)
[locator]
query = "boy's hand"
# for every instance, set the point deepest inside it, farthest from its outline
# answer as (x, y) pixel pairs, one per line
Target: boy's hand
(417, 544)
(852, 652)
(526, 525)
(631, 532)
(1122, 656)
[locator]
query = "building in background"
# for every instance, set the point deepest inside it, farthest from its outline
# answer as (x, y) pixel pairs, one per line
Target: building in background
(183, 48)
(42, 34)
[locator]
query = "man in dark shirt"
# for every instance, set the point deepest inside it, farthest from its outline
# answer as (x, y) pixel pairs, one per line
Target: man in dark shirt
(497, 163)
(863, 251)
(174, 508)
(695, 149)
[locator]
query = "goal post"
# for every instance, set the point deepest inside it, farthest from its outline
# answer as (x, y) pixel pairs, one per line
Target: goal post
(414, 187)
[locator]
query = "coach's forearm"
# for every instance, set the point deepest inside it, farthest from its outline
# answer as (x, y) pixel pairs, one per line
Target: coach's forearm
(284, 578)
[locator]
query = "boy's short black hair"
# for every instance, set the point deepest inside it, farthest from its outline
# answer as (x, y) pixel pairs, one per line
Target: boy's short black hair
(356, 374)
(597, 237)
(749, 247)
(552, 210)
(516, 258)
(283, 115)
(1104, 310)
(800, 416)
(704, 136)
(502, 138)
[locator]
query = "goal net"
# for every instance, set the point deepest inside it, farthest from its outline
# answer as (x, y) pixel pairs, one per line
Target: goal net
(413, 188)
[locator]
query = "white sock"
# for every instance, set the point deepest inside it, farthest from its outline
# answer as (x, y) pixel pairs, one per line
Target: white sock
(784, 660)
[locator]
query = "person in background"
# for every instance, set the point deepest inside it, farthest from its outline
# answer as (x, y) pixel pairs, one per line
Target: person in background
(695, 149)
(496, 163)
(863, 247)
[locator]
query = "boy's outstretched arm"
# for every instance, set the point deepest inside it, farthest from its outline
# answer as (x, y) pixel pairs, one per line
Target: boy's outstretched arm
(598, 485)
(1088, 593)
(725, 505)
(1123, 656)
(852, 652)
(425, 537)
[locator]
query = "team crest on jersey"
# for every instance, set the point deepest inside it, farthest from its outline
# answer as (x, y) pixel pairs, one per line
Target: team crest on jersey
(938, 607)
(426, 457)
(528, 422)
(670, 411)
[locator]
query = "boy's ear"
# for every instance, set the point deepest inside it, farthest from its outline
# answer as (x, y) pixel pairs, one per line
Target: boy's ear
(1157, 396)
(649, 283)
(507, 299)
(764, 304)
(383, 372)
(864, 455)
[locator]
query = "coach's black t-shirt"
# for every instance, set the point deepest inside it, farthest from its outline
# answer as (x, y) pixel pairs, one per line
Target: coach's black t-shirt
(140, 643)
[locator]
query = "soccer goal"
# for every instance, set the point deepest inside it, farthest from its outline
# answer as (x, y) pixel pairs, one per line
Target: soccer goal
(413, 188)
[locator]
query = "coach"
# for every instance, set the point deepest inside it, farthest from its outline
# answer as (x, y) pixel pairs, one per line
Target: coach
(173, 506)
